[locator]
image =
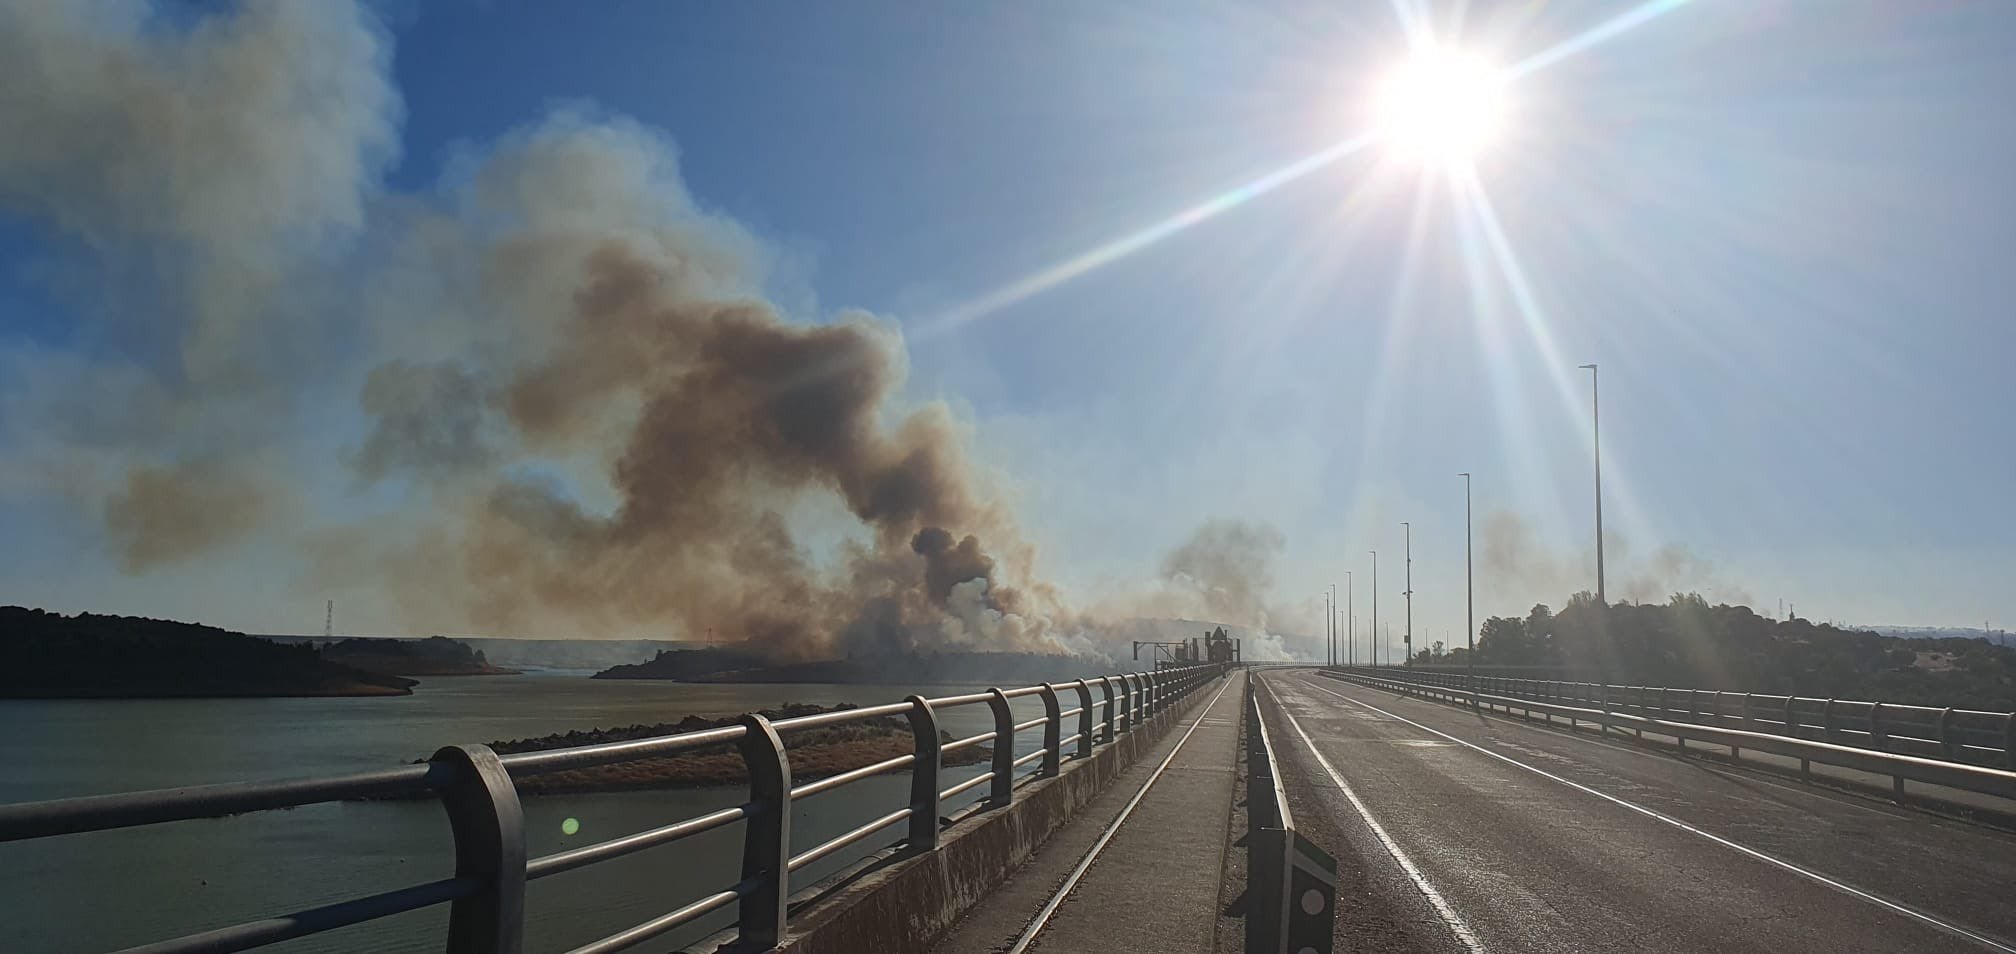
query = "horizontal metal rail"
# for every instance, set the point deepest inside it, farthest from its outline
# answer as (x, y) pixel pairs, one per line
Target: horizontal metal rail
(1960, 775)
(628, 844)
(1952, 734)
(253, 934)
(478, 788)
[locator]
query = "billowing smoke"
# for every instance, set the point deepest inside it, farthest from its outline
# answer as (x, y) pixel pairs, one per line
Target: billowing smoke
(188, 180)
(579, 414)
(1222, 573)
(544, 395)
(1227, 568)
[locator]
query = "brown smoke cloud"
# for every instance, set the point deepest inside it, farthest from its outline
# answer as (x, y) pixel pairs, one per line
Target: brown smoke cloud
(695, 415)
(190, 177)
(543, 396)
(162, 513)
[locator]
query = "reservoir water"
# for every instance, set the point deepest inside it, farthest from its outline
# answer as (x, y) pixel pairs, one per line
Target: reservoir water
(107, 890)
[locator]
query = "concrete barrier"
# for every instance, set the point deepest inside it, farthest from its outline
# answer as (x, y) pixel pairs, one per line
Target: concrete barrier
(906, 904)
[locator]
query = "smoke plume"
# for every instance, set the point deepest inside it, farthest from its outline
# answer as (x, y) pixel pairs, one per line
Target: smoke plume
(543, 395)
(583, 414)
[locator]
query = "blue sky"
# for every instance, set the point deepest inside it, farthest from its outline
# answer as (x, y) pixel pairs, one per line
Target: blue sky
(1776, 225)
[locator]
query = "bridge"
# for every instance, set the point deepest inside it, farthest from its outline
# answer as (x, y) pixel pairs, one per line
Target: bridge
(1217, 808)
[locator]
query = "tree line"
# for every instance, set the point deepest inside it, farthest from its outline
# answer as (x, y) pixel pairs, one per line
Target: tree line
(1688, 643)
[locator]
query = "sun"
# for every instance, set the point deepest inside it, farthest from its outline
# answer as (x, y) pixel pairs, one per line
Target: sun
(1442, 106)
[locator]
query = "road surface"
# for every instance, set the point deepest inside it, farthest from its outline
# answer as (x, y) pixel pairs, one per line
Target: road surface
(1462, 832)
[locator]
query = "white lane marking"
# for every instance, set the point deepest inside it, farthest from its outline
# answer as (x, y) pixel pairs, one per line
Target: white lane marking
(1050, 907)
(1454, 921)
(1806, 873)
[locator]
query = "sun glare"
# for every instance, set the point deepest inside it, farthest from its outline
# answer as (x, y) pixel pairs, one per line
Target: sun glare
(1442, 106)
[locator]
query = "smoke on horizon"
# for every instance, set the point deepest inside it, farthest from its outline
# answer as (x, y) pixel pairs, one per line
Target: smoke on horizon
(554, 394)
(1514, 562)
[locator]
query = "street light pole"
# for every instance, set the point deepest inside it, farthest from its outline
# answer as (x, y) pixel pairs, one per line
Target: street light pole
(1351, 615)
(1407, 637)
(1375, 608)
(1332, 620)
(1469, 591)
(1329, 631)
(1596, 440)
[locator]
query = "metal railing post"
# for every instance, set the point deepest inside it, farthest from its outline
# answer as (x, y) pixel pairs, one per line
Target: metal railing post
(1053, 732)
(489, 827)
(1112, 711)
(1947, 749)
(1085, 724)
(1877, 740)
(1003, 790)
(1126, 702)
(2009, 741)
(1140, 697)
(924, 775)
(766, 837)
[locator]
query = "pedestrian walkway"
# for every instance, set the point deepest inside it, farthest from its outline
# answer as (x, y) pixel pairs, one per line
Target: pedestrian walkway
(1155, 884)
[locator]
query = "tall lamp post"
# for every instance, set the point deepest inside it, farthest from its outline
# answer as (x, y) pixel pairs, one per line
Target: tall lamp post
(1469, 593)
(1407, 635)
(1351, 622)
(1596, 441)
(1375, 608)
(1330, 625)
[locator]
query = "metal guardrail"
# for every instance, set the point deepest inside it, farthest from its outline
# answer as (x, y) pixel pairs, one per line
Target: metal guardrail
(477, 788)
(1291, 885)
(1954, 735)
(1900, 767)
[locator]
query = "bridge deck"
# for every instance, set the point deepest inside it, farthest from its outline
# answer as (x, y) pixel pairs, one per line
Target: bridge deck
(1155, 885)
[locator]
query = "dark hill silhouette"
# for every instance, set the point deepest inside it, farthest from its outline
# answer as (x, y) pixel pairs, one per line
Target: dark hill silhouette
(433, 656)
(51, 656)
(1686, 642)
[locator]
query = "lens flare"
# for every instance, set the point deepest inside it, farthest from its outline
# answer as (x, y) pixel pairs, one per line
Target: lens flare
(1442, 105)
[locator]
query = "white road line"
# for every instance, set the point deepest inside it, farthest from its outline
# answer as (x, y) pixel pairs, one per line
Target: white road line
(1806, 873)
(1042, 919)
(1454, 921)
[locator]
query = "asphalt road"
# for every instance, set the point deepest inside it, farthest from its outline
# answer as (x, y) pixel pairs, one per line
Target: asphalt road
(1467, 833)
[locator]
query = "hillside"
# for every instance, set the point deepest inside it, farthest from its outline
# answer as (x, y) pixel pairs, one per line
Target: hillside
(51, 656)
(1685, 642)
(433, 656)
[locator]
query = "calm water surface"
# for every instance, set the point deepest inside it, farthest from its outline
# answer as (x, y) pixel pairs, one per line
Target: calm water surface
(107, 890)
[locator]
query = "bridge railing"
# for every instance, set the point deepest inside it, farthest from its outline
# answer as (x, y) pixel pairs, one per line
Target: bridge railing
(1551, 702)
(478, 789)
(1950, 734)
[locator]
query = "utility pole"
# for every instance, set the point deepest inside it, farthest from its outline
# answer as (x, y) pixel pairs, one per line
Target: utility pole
(1375, 608)
(1596, 441)
(1407, 647)
(1351, 614)
(1469, 592)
